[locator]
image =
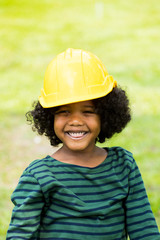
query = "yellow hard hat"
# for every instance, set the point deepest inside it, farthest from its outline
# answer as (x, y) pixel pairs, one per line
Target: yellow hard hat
(73, 76)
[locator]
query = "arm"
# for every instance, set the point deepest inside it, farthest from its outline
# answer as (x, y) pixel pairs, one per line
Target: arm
(141, 224)
(26, 215)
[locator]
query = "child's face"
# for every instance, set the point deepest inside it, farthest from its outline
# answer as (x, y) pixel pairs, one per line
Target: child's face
(77, 125)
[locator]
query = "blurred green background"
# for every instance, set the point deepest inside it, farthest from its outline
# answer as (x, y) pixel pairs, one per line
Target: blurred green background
(123, 34)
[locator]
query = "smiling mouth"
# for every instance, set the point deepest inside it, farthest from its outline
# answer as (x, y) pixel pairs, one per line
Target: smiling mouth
(76, 135)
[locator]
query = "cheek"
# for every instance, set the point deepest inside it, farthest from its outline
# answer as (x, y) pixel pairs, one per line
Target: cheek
(99, 126)
(96, 125)
(57, 125)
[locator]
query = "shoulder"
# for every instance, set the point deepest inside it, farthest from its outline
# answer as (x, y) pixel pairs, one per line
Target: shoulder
(40, 165)
(122, 156)
(121, 152)
(124, 164)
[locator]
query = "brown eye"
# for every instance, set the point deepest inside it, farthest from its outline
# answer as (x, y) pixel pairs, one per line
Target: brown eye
(62, 112)
(89, 112)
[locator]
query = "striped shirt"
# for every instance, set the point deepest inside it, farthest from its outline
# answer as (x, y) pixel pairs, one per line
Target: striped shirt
(56, 200)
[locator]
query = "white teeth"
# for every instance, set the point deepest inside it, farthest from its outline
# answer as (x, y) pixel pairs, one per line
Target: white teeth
(76, 134)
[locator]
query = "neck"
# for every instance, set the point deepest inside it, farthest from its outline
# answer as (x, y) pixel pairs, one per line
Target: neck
(85, 158)
(79, 153)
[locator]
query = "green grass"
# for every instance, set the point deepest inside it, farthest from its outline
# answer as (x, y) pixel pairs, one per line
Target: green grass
(124, 34)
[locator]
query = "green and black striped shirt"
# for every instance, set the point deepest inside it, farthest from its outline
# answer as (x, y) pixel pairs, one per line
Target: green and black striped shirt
(56, 200)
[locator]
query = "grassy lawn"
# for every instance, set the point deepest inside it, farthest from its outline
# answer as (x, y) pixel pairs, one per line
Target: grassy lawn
(124, 34)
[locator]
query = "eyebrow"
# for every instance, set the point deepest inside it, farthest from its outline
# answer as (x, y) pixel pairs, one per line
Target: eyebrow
(68, 105)
(88, 106)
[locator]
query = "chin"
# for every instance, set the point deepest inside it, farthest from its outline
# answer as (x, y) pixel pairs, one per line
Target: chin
(78, 147)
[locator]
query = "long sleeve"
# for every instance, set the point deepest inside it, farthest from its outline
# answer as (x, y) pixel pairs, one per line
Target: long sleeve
(141, 224)
(26, 215)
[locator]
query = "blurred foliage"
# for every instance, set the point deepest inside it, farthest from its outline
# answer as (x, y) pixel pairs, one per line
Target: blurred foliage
(124, 34)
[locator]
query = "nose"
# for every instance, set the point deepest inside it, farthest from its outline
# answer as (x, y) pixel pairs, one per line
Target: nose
(75, 119)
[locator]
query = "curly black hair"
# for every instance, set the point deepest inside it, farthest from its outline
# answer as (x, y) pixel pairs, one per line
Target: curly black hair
(113, 109)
